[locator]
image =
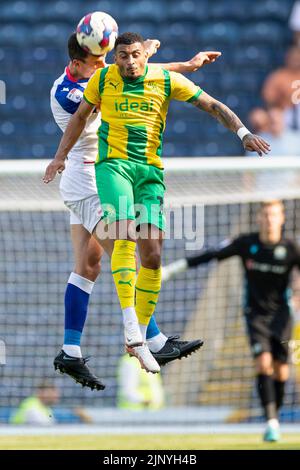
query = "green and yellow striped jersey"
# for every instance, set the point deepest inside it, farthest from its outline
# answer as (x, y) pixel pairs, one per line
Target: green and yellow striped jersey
(133, 112)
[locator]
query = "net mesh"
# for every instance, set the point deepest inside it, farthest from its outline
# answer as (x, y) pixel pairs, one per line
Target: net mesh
(36, 260)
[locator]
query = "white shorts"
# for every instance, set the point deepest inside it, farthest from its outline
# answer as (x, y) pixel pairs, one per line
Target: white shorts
(86, 212)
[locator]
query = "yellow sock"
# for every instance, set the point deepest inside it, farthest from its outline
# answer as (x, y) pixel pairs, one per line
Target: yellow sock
(123, 269)
(147, 290)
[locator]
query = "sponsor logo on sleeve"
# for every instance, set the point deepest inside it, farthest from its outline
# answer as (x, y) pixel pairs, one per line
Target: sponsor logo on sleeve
(75, 95)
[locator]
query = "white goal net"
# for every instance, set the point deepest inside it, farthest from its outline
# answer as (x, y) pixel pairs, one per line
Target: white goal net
(207, 200)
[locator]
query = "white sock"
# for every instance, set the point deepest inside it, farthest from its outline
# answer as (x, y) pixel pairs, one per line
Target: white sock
(81, 282)
(72, 350)
(273, 423)
(143, 329)
(157, 342)
(129, 316)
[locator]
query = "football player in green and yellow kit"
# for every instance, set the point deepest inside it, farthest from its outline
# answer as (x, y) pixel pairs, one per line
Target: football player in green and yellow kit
(134, 97)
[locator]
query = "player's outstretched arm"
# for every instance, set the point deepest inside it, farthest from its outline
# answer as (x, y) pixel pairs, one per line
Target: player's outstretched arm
(192, 65)
(68, 140)
(229, 119)
(226, 250)
(183, 264)
(195, 63)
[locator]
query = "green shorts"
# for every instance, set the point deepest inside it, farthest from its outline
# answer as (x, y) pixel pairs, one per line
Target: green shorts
(131, 191)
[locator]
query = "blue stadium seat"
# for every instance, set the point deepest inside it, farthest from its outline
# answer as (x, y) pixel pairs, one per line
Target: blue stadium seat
(180, 149)
(188, 10)
(272, 9)
(147, 29)
(247, 80)
(63, 11)
(173, 52)
(225, 32)
(144, 10)
(51, 34)
(13, 34)
(9, 59)
(219, 10)
(178, 34)
(43, 59)
(262, 32)
(14, 150)
(114, 8)
(185, 111)
(254, 56)
(19, 11)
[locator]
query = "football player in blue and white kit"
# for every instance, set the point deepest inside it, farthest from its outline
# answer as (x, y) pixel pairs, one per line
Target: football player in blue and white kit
(79, 192)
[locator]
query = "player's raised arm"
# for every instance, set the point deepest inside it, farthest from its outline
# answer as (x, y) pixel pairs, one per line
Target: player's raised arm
(226, 250)
(192, 65)
(229, 119)
(195, 63)
(71, 135)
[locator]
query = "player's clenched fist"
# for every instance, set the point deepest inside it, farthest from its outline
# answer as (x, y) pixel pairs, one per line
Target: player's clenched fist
(56, 166)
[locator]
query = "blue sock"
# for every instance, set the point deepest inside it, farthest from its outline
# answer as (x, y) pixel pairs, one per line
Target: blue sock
(152, 329)
(76, 306)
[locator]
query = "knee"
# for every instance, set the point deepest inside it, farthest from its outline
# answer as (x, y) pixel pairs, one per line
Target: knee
(152, 260)
(90, 270)
(264, 364)
(93, 271)
(281, 373)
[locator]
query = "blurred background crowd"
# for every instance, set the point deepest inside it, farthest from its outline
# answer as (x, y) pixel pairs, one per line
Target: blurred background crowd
(260, 44)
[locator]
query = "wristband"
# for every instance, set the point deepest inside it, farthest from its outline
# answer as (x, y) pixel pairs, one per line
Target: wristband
(242, 132)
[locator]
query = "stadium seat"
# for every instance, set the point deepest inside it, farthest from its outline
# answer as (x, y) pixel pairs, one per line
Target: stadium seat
(220, 11)
(182, 32)
(51, 34)
(144, 10)
(172, 52)
(225, 32)
(61, 11)
(252, 56)
(13, 34)
(24, 11)
(146, 28)
(45, 59)
(272, 9)
(188, 10)
(262, 32)
(178, 149)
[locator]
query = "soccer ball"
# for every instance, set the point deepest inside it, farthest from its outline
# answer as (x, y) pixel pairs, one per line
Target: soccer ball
(97, 32)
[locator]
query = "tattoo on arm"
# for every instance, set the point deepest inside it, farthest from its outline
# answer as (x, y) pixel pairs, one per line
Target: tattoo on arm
(220, 111)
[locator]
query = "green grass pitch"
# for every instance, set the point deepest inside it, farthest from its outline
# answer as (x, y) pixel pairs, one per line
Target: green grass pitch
(148, 442)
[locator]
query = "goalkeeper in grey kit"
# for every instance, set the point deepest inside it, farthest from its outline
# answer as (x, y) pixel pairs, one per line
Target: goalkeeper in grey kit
(268, 260)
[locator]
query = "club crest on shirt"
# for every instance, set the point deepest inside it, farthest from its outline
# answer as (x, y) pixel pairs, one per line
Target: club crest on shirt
(280, 252)
(153, 85)
(75, 95)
